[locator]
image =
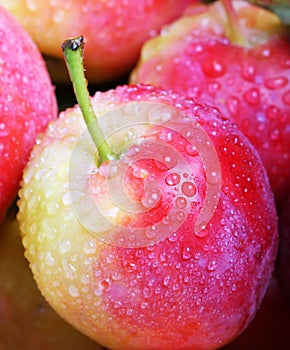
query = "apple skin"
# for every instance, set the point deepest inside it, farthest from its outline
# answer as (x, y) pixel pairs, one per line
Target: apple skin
(27, 104)
(186, 291)
(114, 31)
(198, 56)
(26, 320)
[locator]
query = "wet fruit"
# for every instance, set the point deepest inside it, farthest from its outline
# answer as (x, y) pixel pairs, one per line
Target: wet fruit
(27, 104)
(241, 66)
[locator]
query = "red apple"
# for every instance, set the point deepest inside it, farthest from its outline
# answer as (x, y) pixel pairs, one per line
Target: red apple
(163, 239)
(114, 30)
(27, 104)
(240, 66)
(26, 320)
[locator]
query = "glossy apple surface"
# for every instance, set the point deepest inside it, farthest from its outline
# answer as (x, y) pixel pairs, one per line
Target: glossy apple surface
(245, 72)
(27, 104)
(170, 247)
(114, 30)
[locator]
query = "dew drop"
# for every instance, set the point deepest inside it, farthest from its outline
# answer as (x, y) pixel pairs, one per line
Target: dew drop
(186, 253)
(248, 71)
(180, 216)
(172, 179)
(166, 281)
(188, 188)
(213, 68)
(233, 105)
(213, 88)
(273, 112)
(73, 291)
(180, 202)
(252, 96)
(276, 83)
(191, 150)
(275, 135)
(286, 98)
(211, 265)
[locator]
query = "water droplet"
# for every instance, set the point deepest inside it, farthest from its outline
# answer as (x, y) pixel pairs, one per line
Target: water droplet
(188, 188)
(147, 292)
(180, 216)
(133, 151)
(73, 291)
(172, 179)
(252, 96)
(213, 68)
(286, 98)
(213, 88)
(248, 71)
(191, 150)
(180, 202)
(276, 83)
(233, 105)
(151, 197)
(173, 238)
(275, 135)
(169, 161)
(211, 265)
(186, 253)
(273, 112)
(166, 281)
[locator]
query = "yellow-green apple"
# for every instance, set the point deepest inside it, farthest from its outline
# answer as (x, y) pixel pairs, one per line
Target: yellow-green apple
(159, 231)
(114, 30)
(26, 320)
(27, 103)
(237, 60)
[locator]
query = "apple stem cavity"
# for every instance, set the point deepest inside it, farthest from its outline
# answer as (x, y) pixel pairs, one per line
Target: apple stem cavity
(236, 32)
(73, 52)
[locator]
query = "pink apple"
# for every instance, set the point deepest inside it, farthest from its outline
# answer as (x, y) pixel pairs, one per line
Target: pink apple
(27, 104)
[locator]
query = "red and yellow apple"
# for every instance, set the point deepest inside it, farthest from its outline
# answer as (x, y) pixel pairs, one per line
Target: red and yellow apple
(162, 237)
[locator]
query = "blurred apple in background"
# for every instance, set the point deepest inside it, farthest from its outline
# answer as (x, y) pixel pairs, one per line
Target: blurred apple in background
(235, 56)
(114, 30)
(27, 103)
(27, 322)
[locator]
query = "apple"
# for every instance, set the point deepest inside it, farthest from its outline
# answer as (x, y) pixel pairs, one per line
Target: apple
(150, 222)
(114, 30)
(238, 60)
(27, 104)
(26, 320)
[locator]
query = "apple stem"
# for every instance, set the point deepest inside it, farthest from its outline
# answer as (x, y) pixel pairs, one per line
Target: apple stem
(73, 52)
(234, 23)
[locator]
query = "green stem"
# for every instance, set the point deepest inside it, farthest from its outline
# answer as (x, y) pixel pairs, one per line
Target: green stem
(234, 23)
(73, 53)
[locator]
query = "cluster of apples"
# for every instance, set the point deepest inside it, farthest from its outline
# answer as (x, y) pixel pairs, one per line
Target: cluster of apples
(148, 213)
